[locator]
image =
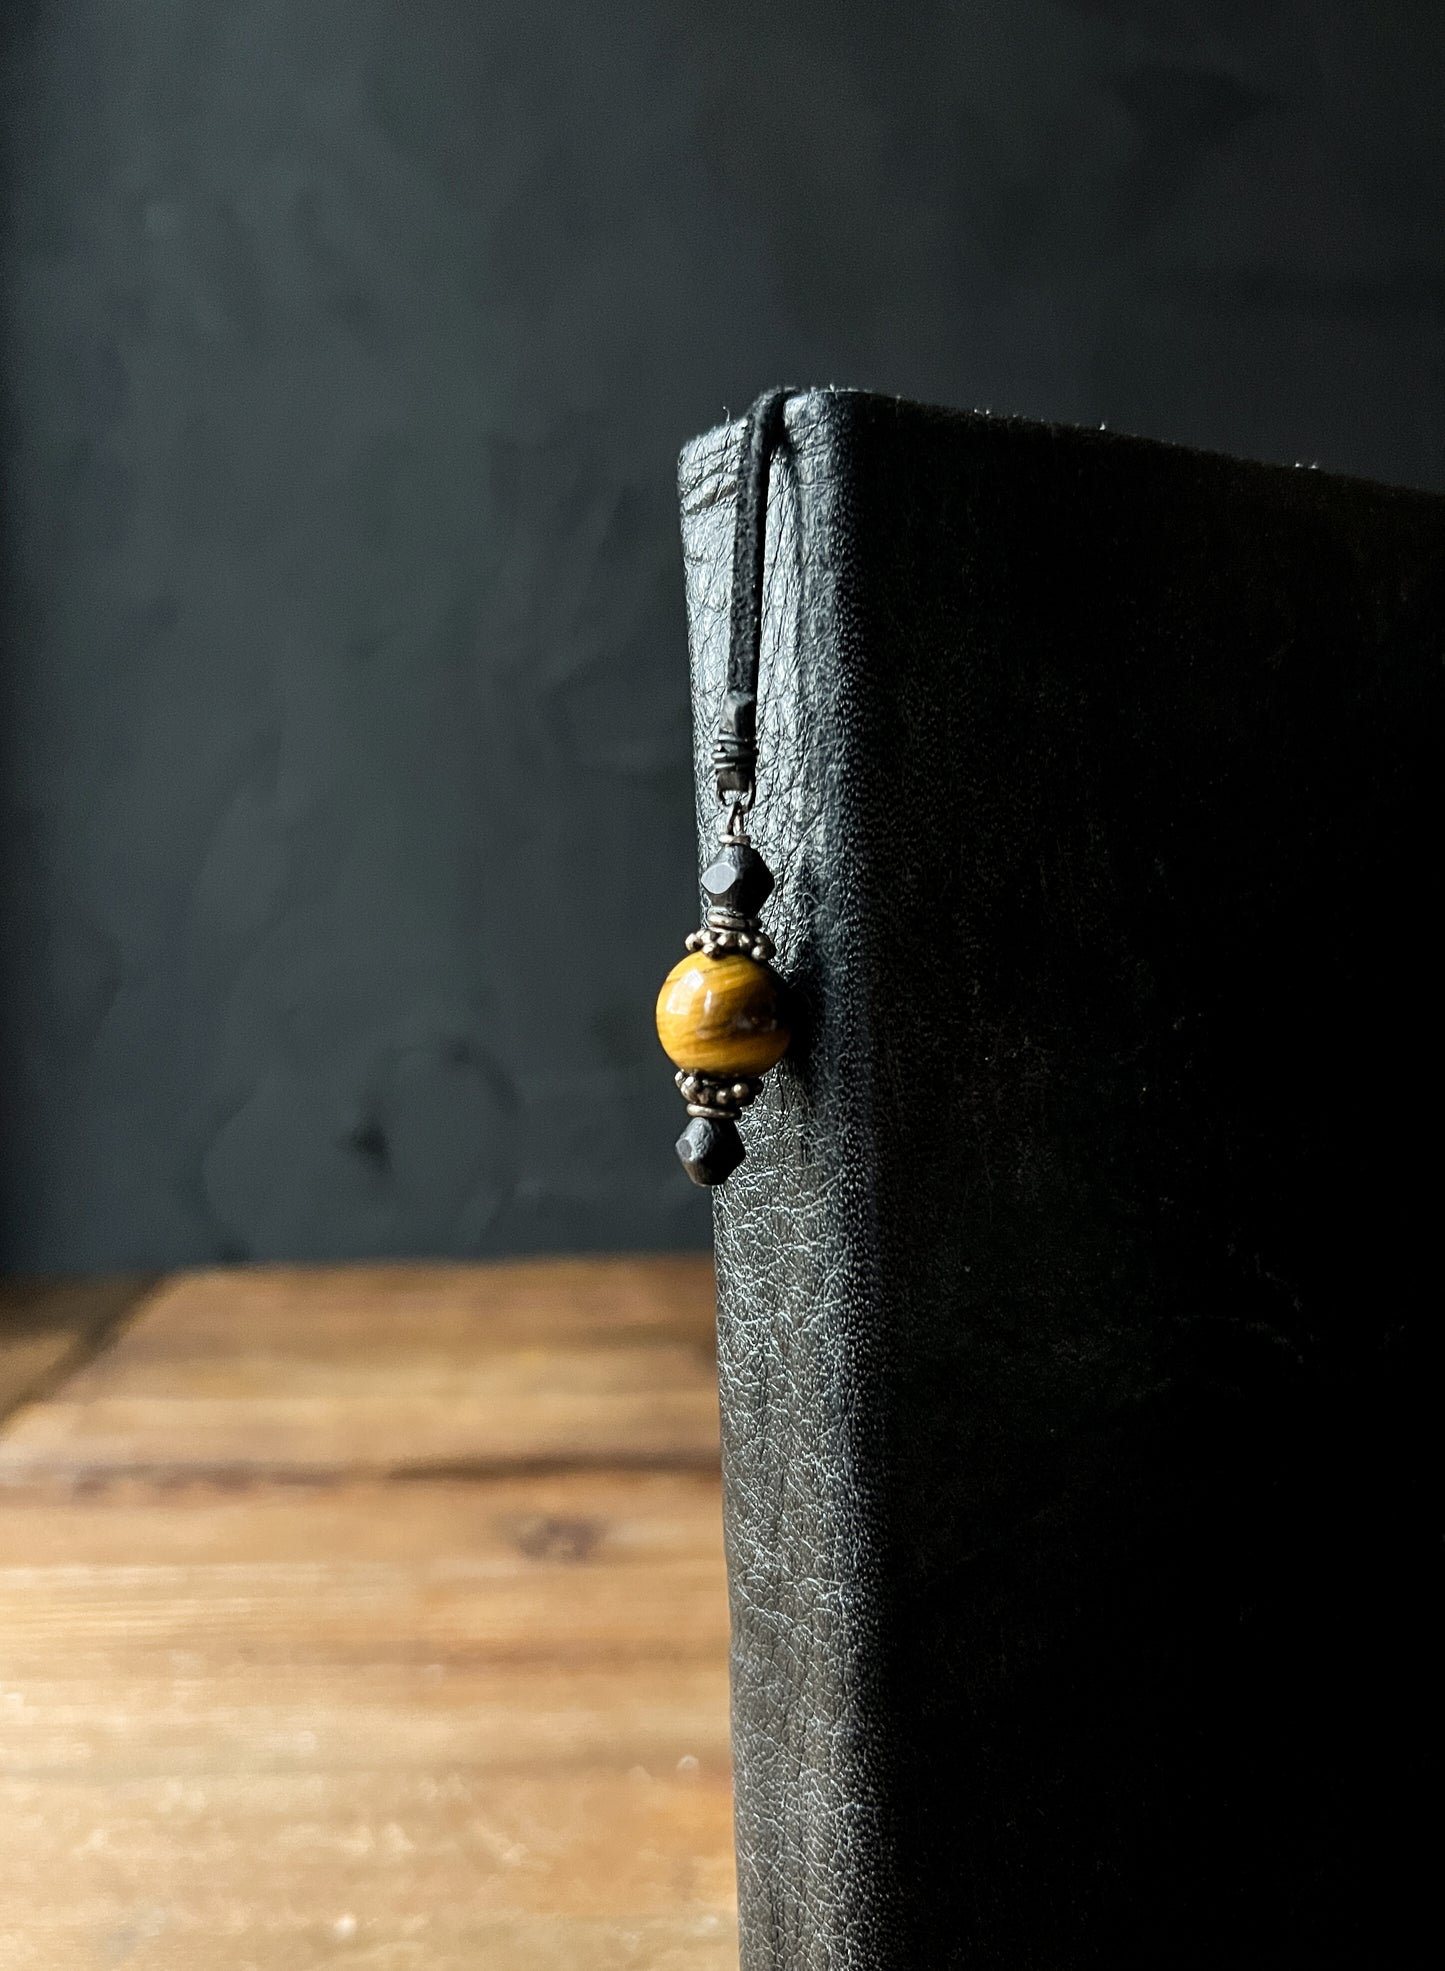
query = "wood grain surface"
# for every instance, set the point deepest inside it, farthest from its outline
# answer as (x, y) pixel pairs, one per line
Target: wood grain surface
(48, 1327)
(367, 1617)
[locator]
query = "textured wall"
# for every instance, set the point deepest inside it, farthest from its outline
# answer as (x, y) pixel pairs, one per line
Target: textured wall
(346, 349)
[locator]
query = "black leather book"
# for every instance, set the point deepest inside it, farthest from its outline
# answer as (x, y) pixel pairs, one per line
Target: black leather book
(1079, 1294)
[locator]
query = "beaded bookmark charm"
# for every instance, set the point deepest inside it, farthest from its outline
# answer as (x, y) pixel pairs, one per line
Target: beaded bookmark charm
(722, 1011)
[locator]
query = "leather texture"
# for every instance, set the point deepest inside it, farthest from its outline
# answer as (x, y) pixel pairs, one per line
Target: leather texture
(1077, 1298)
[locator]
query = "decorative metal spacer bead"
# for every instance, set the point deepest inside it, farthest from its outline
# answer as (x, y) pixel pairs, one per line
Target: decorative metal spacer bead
(723, 933)
(709, 1095)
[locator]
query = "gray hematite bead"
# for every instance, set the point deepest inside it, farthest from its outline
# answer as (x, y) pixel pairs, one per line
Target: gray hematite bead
(710, 1151)
(738, 879)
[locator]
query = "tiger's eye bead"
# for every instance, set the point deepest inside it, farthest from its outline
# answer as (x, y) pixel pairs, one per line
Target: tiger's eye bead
(723, 1016)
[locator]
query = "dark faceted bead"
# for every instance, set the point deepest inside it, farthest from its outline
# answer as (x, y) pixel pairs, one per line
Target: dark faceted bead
(739, 879)
(710, 1151)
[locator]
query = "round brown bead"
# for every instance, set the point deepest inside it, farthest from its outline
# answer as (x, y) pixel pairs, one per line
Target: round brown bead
(722, 1016)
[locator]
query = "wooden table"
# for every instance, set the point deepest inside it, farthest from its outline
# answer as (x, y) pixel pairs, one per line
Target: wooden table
(366, 1617)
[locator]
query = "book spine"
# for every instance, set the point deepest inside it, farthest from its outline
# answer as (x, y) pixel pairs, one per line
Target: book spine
(798, 1390)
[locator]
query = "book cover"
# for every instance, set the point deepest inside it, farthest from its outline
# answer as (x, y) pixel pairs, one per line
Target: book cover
(1078, 1294)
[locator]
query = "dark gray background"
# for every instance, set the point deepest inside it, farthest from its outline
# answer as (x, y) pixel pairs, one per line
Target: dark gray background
(347, 348)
